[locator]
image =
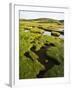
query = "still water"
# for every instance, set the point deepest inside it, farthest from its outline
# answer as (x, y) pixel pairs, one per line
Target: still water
(48, 33)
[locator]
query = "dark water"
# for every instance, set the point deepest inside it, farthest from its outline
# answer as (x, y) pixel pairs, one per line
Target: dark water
(42, 57)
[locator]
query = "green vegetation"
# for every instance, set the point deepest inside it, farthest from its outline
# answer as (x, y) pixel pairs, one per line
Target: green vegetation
(55, 33)
(57, 54)
(37, 30)
(29, 68)
(40, 55)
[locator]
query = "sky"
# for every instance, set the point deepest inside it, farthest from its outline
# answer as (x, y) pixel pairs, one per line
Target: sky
(34, 15)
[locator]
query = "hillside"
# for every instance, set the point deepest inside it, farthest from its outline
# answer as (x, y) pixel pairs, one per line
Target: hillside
(44, 20)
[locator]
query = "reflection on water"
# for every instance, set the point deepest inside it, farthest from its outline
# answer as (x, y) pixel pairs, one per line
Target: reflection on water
(61, 36)
(26, 30)
(47, 33)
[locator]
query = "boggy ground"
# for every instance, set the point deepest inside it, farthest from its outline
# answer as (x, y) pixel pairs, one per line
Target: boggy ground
(40, 55)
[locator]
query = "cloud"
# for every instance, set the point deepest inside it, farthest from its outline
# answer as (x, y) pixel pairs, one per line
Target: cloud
(34, 15)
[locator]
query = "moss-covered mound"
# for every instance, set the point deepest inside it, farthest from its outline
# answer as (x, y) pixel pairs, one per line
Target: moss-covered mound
(55, 34)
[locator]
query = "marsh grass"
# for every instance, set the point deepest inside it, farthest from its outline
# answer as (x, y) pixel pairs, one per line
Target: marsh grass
(40, 55)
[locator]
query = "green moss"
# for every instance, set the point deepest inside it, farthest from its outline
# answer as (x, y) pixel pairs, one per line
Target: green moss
(37, 30)
(29, 69)
(55, 34)
(56, 53)
(33, 55)
(46, 61)
(56, 71)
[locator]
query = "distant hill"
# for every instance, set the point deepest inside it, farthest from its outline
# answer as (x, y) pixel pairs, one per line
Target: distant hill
(62, 21)
(45, 20)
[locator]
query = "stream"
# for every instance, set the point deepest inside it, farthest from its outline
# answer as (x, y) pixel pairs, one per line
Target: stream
(48, 33)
